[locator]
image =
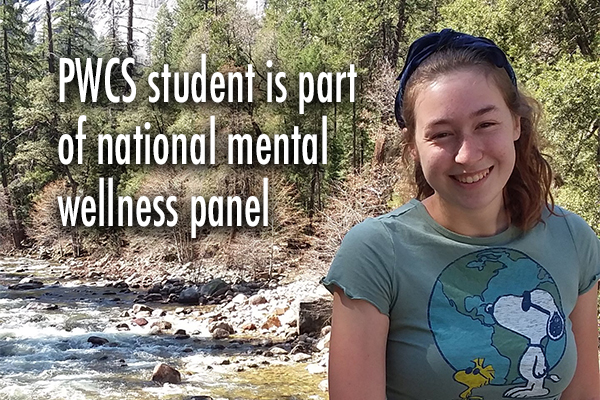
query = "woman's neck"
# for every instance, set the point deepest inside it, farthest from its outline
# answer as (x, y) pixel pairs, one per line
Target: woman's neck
(476, 223)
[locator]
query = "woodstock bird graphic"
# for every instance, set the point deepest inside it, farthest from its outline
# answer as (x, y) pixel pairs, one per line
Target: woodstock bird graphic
(474, 377)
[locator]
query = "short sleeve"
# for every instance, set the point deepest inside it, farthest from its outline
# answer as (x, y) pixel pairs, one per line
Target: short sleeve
(588, 249)
(363, 265)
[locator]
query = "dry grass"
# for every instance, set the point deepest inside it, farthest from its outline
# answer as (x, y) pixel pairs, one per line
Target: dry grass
(372, 193)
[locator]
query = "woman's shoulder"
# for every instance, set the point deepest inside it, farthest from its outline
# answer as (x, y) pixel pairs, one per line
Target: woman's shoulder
(585, 242)
(381, 223)
(559, 215)
(567, 223)
(407, 211)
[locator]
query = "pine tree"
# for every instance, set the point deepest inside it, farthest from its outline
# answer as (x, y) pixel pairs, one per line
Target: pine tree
(74, 33)
(162, 36)
(16, 68)
(187, 18)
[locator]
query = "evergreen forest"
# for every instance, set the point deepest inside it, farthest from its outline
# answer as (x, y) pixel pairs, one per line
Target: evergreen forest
(554, 47)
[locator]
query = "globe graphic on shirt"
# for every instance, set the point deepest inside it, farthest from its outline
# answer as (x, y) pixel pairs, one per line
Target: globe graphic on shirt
(494, 305)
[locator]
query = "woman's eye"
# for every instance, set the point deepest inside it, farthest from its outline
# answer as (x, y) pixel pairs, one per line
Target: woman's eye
(486, 125)
(440, 135)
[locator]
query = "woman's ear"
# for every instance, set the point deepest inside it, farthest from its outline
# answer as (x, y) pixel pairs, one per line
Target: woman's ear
(411, 146)
(517, 128)
(413, 153)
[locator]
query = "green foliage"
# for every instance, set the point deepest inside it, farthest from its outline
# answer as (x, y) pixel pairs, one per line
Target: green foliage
(74, 36)
(112, 43)
(570, 91)
(553, 44)
(511, 24)
(186, 18)
(162, 37)
(17, 66)
(131, 182)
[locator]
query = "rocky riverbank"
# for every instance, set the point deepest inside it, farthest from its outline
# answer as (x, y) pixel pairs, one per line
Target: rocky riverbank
(246, 325)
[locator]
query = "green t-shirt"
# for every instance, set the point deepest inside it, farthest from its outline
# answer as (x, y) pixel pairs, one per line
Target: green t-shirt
(471, 317)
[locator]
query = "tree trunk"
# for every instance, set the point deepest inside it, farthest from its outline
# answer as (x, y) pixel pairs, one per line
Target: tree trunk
(69, 42)
(315, 191)
(114, 28)
(51, 68)
(399, 33)
(583, 36)
(129, 44)
(17, 231)
(17, 234)
(435, 15)
(384, 47)
(334, 119)
(75, 238)
(130, 33)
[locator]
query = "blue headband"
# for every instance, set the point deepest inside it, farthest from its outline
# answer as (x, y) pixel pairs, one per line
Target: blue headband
(446, 39)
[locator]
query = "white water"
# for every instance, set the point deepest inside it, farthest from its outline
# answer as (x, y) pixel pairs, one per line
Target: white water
(45, 354)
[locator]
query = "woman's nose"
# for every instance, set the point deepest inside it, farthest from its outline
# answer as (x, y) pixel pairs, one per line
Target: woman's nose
(469, 150)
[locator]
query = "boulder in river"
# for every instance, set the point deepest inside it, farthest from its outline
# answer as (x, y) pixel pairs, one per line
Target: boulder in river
(165, 374)
(221, 325)
(141, 307)
(314, 315)
(214, 288)
(94, 275)
(239, 299)
(316, 369)
(324, 342)
(97, 341)
(271, 322)
(36, 318)
(181, 334)
(190, 295)
(123, 327)
(159, 313)
(248, 326)
(26, 284)
(140, 321)
(220, 333)
(162, 325)
(154, 330)
(36, 305)
(153, 297)
(257, 299)
(156, 288)
(121, 285)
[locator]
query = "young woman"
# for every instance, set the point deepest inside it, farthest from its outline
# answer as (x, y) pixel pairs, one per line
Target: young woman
(480, 288)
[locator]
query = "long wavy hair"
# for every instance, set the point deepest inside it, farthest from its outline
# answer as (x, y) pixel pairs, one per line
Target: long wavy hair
(527, 191)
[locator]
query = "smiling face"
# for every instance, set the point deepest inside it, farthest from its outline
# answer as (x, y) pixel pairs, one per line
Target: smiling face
(464, 142)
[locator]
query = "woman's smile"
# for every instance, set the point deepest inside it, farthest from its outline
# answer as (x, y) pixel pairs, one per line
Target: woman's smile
(470, 178)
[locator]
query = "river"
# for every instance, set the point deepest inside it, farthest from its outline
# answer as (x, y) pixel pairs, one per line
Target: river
(45, 354)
